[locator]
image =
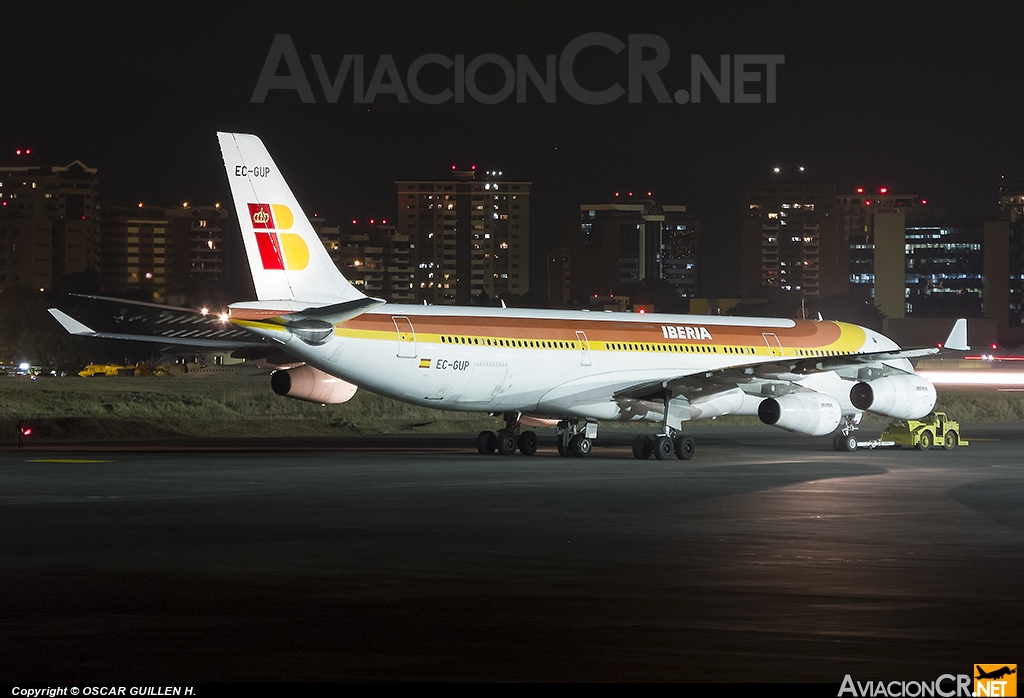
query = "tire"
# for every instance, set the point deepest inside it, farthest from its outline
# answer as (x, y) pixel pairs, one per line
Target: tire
(528, 443)
(642, 448)
(850, 443)
(925, 441)
(486, 443)
(662, 447)
(563, 450)
(951, 440)
(507, 442)
(685, 448)
(580, 446)
(837, 442)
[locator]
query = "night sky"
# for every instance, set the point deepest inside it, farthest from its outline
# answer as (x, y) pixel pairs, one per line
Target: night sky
(925, 100)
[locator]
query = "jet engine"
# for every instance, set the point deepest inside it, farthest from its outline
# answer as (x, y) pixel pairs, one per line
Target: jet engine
(904, 396)
(307, 383)
(809, 413)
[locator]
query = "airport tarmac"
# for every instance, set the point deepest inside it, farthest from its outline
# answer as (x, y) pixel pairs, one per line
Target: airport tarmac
(768, 557)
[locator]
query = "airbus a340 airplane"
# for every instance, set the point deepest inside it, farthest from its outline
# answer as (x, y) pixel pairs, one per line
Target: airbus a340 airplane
(567, 368)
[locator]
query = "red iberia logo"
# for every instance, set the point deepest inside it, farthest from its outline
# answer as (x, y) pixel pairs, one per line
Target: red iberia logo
(278, 250)
(995, 680)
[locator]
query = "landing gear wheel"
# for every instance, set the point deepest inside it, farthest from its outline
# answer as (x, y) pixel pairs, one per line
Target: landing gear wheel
(837, 442)
(506, 442)
(951, 440)
(580, 446)
(684, 447)
(642, 448)
(850, 443)
(528, 443)
(662, 447)
(925, 442)
(486, 443)
(563, 450)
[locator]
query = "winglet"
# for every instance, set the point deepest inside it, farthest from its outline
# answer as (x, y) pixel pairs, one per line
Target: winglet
(957, 339)
(70, 324)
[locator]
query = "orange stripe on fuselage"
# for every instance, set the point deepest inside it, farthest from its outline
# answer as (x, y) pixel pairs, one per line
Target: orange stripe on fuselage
(804, 334)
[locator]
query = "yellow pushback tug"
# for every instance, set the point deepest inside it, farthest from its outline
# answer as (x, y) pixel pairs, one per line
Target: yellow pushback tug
(922, 434)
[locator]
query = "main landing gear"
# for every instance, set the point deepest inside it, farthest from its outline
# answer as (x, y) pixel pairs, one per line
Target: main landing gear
(663, 446)
(508, 440)
(575, 439)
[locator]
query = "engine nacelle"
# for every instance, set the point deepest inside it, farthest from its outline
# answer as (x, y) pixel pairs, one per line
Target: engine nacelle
(904, 396)
(810, 413)
(307, 383)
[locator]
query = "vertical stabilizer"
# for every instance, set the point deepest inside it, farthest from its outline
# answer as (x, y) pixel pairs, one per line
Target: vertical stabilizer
(285, 255)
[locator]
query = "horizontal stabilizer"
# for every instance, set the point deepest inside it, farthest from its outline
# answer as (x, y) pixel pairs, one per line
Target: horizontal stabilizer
(116, 318)
(333, 314)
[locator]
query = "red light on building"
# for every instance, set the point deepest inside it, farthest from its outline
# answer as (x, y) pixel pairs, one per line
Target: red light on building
(860, 190)
(994, 345)
(867, 202)
(883, 190)
(924, 202)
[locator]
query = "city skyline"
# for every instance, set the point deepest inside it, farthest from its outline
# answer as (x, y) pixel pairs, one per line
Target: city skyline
(880, 95)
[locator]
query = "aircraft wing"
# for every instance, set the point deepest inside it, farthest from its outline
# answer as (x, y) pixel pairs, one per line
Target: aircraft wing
(773, 378)
(784, 375)
(114, 318)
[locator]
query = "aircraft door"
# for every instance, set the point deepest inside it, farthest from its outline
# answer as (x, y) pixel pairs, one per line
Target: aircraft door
(406, 337)
(581, 337)
(774, 345)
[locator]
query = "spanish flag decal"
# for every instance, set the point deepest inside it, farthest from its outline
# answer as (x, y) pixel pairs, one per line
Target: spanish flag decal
(424, 363)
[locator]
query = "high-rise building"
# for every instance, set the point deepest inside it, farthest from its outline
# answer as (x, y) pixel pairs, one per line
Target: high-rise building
(944, 271)
(856, 215)
(373, 256)
(48, 223)
(629, 241)
(789, 238)
(165, 253)
(1011, 199)
(469, 236)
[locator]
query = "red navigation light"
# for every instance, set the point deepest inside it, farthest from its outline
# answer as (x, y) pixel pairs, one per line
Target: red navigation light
(616, 194)
(453, 167)
(648, 193)
(924, 202)
(867, 202)
(28, 151)
(883, 190)
(631, 193)
(355, 222)
(860, 190)
(371, 221)
(994, 345)
(383, 221)
(472, 167)
(939, 345)
(18, 151)
(26, 431)
(643, 311)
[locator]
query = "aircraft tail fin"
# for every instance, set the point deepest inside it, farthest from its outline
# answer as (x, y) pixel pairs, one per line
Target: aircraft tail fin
(286, 257)
(957, 339)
